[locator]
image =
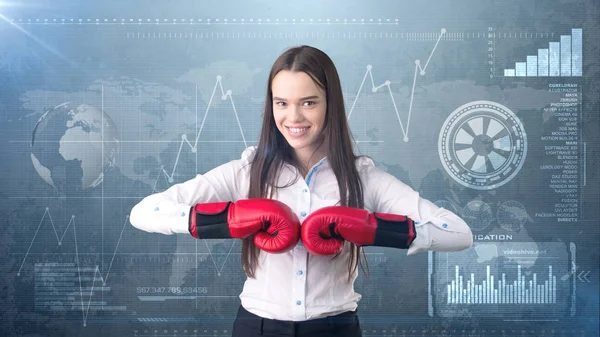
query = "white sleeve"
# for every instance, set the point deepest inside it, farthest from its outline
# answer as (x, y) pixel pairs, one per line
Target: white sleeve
(168, 212)
(438, 229)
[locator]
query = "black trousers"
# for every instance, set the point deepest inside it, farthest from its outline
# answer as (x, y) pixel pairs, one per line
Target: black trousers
(248, 324)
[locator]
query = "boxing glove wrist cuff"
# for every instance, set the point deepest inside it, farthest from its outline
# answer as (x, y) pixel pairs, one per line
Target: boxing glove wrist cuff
(395, 231)
(209, 221)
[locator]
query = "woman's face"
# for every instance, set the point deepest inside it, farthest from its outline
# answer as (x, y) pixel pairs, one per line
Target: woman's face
(299, 108)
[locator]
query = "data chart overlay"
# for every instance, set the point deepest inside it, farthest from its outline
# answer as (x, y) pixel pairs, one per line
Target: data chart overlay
(560, 59)
(511, 280)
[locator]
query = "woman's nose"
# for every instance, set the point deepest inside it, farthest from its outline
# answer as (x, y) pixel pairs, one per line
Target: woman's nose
(295, 113)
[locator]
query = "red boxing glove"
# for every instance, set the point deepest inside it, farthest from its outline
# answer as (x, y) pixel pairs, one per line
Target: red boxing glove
(324, 231)
(275, 225)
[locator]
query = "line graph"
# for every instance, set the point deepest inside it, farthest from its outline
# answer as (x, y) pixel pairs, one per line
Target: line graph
(218, 263)
(193, 145)
(418, 70)
(54, 292)
(184, 138)
(97, 273)
(212, 258)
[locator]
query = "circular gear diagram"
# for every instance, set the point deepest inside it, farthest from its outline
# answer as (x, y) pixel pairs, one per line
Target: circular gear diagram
(482, 145)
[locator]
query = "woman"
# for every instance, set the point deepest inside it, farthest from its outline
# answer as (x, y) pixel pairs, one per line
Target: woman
(304, 162)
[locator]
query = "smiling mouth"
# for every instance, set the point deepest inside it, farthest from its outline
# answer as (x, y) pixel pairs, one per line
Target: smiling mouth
(297, 130)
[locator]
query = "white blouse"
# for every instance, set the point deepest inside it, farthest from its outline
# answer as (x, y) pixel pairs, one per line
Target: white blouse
(297, 285)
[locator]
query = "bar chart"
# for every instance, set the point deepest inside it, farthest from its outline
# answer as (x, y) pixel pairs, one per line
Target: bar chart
(510, 280)
(521, 290)
(562, 58)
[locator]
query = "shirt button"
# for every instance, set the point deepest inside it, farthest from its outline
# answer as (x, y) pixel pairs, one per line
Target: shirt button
(445, 225)
(305, 190)
(303, 213)
(299, 272)
(182, 213)
(156, 209)
(298, 302)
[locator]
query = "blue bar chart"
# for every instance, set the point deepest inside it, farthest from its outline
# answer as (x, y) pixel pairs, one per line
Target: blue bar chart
(511, 280)
(520, 290)
(561, 59)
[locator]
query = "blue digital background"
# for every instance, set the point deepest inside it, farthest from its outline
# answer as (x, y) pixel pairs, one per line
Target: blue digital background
(95, 97)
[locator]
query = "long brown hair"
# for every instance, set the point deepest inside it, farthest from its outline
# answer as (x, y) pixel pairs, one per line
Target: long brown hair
(273, 150)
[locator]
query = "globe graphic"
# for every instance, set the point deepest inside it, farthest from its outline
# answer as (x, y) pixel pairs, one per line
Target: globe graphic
(512, 215)
(477, 214)
(72, 146)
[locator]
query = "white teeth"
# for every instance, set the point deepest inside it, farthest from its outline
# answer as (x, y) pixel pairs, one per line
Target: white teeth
(297, 130)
